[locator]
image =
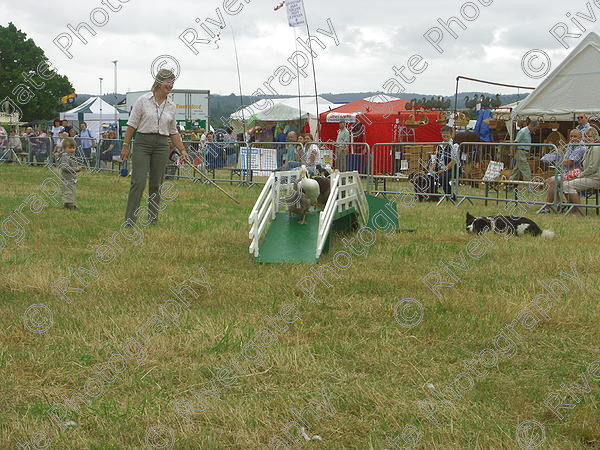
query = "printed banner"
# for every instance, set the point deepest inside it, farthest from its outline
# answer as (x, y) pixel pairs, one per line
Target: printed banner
(295, 10)
(262, 160)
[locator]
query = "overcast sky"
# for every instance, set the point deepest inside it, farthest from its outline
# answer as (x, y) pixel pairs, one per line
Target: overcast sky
(373, 36)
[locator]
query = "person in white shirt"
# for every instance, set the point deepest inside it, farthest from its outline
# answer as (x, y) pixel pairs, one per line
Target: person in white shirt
(56, 129)
(153, 116)
(312, 154)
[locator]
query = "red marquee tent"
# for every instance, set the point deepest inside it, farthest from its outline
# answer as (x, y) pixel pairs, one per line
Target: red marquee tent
(379, 115)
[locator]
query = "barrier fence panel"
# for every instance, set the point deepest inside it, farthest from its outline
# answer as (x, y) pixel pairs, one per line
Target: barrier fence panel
(408, 168)
(264, 157)
(34, 150)
(485, 170)
(347, 157)
(401, 158)
(499, 167)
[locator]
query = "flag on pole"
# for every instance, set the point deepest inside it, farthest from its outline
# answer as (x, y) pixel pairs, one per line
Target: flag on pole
(295, 10)
(68, 99)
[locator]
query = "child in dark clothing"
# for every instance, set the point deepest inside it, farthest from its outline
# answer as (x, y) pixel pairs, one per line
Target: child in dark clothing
(68, 172)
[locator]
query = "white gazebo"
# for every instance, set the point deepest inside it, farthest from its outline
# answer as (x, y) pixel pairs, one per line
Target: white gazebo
(283, 110)
(95, 112)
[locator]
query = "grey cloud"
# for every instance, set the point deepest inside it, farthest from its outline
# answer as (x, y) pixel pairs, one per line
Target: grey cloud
(373, 35)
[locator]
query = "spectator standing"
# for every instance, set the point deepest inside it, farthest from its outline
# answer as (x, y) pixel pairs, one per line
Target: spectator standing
(289, 156)
(4, 152)
(195, 146)
(522, 168)
(280, 137)
(56, 129)
(86, 140)
(230, 152)
(14, 143)
(341, 149)
(65, 125)
(446, 162)
(202, 137)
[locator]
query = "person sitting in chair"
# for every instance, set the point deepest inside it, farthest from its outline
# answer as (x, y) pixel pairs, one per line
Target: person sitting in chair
(589, 177)
(572, 160)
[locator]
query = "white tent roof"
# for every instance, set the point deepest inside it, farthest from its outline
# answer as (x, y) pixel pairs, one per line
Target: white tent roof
(94, 108)
(380, 98)
(574, 86)
(283, 109)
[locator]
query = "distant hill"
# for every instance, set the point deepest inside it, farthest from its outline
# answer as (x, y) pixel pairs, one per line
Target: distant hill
(111, 99)
(224, 105)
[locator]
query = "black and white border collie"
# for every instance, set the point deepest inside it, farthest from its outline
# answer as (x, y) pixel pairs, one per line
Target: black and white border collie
(506, 225)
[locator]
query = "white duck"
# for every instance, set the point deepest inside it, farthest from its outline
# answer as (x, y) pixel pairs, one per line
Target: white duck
(309, 186)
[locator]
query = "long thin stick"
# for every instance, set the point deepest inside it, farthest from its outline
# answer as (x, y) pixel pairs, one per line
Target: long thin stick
(176, 152)
(211, 181)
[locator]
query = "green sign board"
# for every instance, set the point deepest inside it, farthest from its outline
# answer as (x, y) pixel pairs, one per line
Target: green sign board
(191, 124)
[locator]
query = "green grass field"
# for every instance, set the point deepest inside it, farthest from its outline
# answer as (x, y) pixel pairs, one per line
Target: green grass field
(251, 349)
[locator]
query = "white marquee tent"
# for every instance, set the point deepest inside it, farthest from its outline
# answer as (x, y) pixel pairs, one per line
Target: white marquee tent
(95, 112)
(283, 110)
(572, 87)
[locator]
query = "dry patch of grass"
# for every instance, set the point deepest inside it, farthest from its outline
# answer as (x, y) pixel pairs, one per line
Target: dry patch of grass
(346, 347)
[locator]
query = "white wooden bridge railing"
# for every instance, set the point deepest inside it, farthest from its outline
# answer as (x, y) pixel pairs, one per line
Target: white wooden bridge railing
(346, 192)
(267, 205)
(261, 214)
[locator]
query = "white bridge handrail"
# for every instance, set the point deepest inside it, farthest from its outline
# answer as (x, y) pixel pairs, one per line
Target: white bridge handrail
(267, 205)
(346, 192)
(326, 216)
(259, 217)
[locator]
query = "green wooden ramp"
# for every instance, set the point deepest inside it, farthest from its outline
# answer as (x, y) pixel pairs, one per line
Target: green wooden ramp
(289, 242)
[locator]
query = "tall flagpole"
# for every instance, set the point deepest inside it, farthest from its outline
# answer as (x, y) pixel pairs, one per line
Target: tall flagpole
(294, 25)
(237, 63)
(298, 79)
(116, 111)
(314, 72)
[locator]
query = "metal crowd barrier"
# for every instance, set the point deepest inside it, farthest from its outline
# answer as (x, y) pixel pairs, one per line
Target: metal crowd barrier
(483, 174)
(27, 150)
(397, 167)
(492, 164)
